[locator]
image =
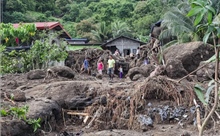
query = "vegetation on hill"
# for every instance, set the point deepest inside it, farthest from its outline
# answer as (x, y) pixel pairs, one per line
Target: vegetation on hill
(106, 18)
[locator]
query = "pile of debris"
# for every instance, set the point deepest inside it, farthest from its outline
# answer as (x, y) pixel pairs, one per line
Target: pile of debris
(75, 59)
(142, 108)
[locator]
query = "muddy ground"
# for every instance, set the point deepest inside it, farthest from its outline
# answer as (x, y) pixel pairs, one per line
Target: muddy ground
(64, 92)
(150, 100)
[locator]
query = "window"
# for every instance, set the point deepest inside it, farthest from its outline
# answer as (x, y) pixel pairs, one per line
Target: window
(134, 51)
(126, 52)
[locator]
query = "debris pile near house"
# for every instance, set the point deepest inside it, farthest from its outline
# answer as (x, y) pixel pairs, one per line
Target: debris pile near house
(75, 59)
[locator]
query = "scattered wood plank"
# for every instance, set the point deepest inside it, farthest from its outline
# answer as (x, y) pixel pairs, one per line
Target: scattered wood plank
(77, 113)
(70, 112)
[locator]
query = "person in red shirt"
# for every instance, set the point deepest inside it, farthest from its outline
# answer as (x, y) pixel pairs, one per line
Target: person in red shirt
(100, 66)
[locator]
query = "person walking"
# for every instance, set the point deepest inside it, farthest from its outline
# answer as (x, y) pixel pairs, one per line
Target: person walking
(100, 66)
(85, 66)
(111, 66)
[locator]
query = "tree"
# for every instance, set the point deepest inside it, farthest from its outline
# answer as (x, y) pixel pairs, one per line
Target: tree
(204, 13)
(85, 13)
(177, 24)
(84, 27)
(15, 5)
(120, 28)
(73, 13)
(125, 11)
(101, 33)
(142, 25)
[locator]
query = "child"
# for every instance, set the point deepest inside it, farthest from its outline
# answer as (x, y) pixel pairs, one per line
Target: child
(85, 66)
(120, 71)
(100, 67)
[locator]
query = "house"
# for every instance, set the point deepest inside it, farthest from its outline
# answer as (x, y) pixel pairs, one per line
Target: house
(54, 26)
(124, 44)
(80, 43)
(51, 26)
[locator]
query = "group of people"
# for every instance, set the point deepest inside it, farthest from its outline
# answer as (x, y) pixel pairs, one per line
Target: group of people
(100, 67)
(111, 62)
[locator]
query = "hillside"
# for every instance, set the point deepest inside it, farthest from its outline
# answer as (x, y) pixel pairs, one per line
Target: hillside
(80, 17)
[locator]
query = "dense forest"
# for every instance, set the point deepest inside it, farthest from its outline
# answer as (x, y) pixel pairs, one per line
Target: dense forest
(95, 19)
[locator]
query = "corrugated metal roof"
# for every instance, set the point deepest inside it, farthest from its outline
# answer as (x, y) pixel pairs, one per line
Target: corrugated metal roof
(122, 37)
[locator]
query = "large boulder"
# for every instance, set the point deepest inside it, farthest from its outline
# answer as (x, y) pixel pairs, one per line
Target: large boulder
(68, 94)
(144, 71)
(175, 69)
(62, 71)
(190, 54)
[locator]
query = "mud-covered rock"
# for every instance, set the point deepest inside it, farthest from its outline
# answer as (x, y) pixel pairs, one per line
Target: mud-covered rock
(175, 69)
(68, 94)
(19, 96)
(36, 74)
(62, 71)
(15, 128)
(190, 54)
(145, 71)
(79, 102)
(48, 111)
(42, 107)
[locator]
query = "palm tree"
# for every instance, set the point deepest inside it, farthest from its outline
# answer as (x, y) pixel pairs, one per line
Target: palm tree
(120, 28)
(178, 25)
(101, 34)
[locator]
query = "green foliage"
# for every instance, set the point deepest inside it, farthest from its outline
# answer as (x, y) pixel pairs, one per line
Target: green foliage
(204, 94)
(21, 113)
(35, 123)
(138, 15)
(24, 33)
(102, 33)
(84, 28)
(3, 112)
(42, 52)
(200, 8)
(200, 93)
(120, 28)
(179, 22)
(206, 18)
